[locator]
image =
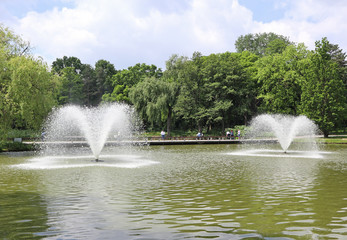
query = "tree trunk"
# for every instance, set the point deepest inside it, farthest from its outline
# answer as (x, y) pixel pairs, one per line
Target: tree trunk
(325, 133)
(223, 127)
(168, 122)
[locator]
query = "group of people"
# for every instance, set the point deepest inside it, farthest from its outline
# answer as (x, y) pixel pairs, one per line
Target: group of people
(199, 135)
(230, 134)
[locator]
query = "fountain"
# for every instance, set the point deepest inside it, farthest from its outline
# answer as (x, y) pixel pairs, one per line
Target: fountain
(285, 128)
(74, 124)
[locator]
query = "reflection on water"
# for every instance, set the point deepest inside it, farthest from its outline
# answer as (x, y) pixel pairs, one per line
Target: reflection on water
(194, 192)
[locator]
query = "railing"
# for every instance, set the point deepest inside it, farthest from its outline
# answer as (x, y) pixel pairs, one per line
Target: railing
(157, 138)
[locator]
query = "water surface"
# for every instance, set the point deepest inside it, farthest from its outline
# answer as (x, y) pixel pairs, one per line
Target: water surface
(175, 192)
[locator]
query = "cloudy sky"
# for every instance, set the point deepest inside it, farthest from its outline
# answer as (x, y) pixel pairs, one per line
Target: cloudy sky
(126, 32)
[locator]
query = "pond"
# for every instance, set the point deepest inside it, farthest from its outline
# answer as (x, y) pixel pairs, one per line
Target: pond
(175, 192)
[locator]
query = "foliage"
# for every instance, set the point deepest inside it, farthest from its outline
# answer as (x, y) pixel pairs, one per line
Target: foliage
(323, 95)
(16, 146)
(104, 71)
(154, 99)
(61, 63)
(268, 73)
(12, 44)
(125, 79)
(27, 88)
(71, 87)
(280, 81)
(262, 43)
(28, 133)
(216, 89)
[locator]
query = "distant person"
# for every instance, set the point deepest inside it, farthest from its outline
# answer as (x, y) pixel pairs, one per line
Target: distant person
(199, 135)
(228, 135)
(43, 135)
(231, 134)
(162, 133)
(239, 133)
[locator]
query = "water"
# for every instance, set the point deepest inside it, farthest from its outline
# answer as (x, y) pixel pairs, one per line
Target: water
(181, 192)
(285, 128)
(93, 125)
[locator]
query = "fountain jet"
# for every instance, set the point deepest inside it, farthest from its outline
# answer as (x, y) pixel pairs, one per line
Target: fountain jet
(74, 124)
(285, 128)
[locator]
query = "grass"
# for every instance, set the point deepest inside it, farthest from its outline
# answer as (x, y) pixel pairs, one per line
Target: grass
(333, 140)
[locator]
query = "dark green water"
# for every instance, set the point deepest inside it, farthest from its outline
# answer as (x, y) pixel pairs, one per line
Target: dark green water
(175, 192)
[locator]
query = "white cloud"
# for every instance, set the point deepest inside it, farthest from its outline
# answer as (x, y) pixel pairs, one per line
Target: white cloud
(128, 32)
(310, 20)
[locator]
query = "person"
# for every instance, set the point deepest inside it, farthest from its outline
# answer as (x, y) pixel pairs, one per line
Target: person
(228, 134)
(231, 134)
(162, 133)
(239, 133)
(43, 135)
(199, 135)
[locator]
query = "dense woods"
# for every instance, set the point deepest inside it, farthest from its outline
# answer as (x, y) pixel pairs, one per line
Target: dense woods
(267, 74)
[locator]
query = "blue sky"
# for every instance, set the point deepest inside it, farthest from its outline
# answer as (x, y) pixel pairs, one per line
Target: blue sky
(150, 31)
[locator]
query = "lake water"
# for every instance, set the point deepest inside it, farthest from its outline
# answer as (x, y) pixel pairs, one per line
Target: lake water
(175, 192)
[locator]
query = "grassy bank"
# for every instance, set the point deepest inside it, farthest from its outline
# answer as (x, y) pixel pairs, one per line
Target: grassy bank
(336, 139)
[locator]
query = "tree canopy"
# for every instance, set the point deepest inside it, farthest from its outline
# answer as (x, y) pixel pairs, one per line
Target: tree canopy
(267, 74)
(262, 43)
(27, 88)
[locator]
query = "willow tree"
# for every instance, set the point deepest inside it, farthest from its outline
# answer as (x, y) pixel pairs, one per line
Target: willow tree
(30, 91)
(154, 100)
(27, 87)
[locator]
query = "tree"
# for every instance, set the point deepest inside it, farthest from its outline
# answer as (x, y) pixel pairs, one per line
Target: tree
(262, 43)
(27, 89)
(154, 99)
(30, 91)
(186, 72)
(60, 63)
(323, 93)
(71, 90)
(280, 81)
(12, 44)
(104, 71)
(90, 88)
(123, 80)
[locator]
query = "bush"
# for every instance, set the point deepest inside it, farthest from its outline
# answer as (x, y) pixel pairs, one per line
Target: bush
(16, 133)
(15, 147)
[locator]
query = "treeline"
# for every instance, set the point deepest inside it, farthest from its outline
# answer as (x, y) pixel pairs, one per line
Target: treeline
(268, 73)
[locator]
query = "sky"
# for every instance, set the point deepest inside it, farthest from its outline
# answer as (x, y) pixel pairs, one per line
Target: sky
(127, 32)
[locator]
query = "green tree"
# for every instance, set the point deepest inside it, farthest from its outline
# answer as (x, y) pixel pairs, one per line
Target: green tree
(26, 87)
(154, 100)
(246, 100)
(90, 88)
(12, 44)
(190, 103)
(262, 43)
(30, 91)
(104, 71)
(280, 81)
(71, 90)
(323, 93)
(215, 90)
(60, 63)
(227, 86)
(123, 80)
